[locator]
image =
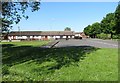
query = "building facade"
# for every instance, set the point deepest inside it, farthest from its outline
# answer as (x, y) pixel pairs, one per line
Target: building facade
(40, 35)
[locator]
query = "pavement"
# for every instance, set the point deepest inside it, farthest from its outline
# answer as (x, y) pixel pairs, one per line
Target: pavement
(99, 43)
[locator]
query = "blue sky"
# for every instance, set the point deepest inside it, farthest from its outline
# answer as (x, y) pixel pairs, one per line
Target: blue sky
(55, 16)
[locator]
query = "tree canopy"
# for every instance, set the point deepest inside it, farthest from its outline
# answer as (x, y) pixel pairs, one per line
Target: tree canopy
(110, 24)
(117, 19)
(13, 12)
(93, 30)
(87, 30)
(67, 29)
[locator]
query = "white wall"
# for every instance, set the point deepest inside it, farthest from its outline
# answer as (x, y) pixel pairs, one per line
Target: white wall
(54, 37)
(38, 37)
(78, 35)
(21, 37)
(31, 37)
(68, 36)
(57, 36)
(10, 37)
(42, 36)
(73, 36)
(49, 37)
(24, 37)
(64, 36)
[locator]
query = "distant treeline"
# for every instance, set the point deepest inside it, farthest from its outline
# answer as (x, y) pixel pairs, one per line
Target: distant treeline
(108, 28)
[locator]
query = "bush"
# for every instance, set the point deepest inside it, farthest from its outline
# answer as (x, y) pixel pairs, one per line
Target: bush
(103, 36)
(116, 36)
(5, 70)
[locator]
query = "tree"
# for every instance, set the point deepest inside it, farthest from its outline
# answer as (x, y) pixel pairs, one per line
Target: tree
(87, 30)
(13, 12)
(67, 29)
(108, 24)
(93, 30)
(117, 19)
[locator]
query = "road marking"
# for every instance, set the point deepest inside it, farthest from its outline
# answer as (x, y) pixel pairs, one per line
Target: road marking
(105, 43)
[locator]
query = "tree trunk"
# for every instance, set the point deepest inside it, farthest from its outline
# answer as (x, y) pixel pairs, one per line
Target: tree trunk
(111, 35)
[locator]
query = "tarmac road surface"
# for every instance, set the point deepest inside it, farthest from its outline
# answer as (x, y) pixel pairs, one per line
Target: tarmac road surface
(99, 43)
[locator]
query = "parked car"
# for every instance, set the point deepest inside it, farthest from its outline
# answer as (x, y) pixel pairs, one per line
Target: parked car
(78, 37)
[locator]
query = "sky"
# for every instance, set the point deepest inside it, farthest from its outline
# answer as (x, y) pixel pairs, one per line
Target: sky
(55, 16)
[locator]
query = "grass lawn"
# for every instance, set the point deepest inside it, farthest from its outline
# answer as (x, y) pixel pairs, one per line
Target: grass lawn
(26, 61)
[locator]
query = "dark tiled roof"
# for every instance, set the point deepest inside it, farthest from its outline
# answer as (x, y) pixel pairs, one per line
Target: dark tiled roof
(41, 33)
(78, 32)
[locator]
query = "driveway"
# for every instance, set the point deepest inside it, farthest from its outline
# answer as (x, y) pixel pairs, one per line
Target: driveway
(88, 42)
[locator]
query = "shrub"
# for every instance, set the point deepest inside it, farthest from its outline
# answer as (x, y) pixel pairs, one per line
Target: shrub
(5, 70)
(116, 36)
(103, 36)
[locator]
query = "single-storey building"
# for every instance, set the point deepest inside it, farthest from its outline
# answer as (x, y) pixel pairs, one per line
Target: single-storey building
(80, 34)
(40, 35)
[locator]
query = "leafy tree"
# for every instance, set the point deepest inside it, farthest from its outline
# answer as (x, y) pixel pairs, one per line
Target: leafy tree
(96, 29)
(67, 29)
(87, 30)
(13, 12)
(108, 24)
(117, 19)
(93, 30)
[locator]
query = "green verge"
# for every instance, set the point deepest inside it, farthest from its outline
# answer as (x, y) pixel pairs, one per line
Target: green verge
(26, 61)
(24, 43)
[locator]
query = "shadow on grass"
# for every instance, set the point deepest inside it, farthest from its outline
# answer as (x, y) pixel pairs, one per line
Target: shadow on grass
(63, 56)
(7, 45)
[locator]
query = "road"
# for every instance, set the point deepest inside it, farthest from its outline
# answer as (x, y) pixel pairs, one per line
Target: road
(88, 42)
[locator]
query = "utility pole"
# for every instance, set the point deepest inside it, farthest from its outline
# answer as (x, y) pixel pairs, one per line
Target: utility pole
(19, 31)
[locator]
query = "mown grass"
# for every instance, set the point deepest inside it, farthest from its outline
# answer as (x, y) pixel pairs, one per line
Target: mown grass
(28, 62)
(25, 43)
